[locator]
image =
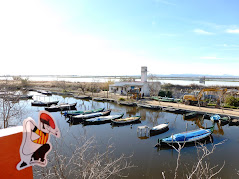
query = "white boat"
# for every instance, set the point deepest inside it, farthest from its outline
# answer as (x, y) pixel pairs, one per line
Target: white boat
(87, 116)
(159, 129)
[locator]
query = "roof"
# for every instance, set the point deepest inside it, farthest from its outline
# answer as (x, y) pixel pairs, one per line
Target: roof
(124, 84)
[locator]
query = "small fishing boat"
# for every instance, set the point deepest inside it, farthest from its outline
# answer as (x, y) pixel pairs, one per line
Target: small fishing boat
(82, 117)
(128, 120)
(74, 113)
(190, 115)
(127, 103)
(173, 110)
(159, 129)
(82, 97)
(234, 122)
(224, 120)
(61, 107)
(215, 118)
(186, 137)
(43, 103)
(149, 106)
(102, 120)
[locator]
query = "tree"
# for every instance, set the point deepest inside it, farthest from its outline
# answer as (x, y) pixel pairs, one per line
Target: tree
(83, 161)
(200, 169)
(63, 85)
(82, 86)
(10, 108)
(154, 85)
(232, 101)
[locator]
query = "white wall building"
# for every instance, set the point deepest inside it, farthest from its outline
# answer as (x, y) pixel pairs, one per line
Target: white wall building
(124, 87)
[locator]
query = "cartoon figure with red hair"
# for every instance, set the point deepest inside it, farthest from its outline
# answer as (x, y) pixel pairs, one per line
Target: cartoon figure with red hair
(36, 140)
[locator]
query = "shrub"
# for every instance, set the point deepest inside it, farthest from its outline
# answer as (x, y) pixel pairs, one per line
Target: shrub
(121, 99)
(165, 93)
(232, 101)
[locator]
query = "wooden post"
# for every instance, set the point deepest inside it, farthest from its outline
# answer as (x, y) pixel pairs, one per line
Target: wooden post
(10, 142)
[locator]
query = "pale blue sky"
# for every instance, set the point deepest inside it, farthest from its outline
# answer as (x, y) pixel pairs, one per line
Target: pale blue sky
(109, 37)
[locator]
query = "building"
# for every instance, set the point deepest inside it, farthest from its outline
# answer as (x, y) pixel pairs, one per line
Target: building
(143, 87)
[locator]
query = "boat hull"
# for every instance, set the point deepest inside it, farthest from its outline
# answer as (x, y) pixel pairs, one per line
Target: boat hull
(40, 103)
(61, 107)
(82, 117)
(101, 120)
(75, 113)
(159, 129)
(186, 137)
(126, 121)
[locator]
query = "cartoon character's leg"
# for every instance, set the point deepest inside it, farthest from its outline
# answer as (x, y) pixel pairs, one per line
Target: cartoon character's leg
(40, 153)
(25, 161)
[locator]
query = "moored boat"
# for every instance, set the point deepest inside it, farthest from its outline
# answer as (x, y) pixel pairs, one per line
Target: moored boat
(43, 103)
(127, 103)
(186, 137)
(61, 107)
(224, 120)
(159, 129)
(234, 122)
(190, 115)
(102, 120)
(128, 120)
(82, 117)
(74, 113)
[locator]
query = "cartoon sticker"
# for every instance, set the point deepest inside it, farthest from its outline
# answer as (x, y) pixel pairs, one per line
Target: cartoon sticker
(36, 140)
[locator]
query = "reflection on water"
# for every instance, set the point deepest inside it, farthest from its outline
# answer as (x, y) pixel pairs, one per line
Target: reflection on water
(151, 163)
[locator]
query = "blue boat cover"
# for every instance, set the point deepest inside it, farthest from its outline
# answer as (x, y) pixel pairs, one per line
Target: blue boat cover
(187, 135)
(215, 117)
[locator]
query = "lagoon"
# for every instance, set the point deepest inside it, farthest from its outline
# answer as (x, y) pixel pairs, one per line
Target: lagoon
(150, 161)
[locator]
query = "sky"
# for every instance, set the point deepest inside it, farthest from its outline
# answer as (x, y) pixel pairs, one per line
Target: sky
(117, 37)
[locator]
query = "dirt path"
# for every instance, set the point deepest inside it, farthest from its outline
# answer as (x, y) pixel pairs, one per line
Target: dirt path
(230, 112)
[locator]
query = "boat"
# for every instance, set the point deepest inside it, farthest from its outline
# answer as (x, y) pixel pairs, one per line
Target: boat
(43, 103)
(190, 115)
(186, 137)
(61, 107)
(48, 93)
(159, 129)
(99, 99)
(74, 113)
(148, 106)
(234, 122)
(82, 117)
(224, 120)
(82, 97)
(164, 99)
(127, 103)
(102, 120)
(22, 97)
(128, 120)
(215, 118)
(171, 109)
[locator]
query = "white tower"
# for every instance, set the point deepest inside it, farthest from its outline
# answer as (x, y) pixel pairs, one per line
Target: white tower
(143, 74)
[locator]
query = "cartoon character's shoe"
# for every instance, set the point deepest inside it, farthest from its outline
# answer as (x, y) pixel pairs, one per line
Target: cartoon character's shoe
(23, 164)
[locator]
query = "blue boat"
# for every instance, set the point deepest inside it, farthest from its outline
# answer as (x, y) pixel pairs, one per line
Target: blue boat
(186, 137)
(215, 118)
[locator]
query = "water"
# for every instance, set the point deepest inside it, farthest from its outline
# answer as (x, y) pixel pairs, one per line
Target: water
(150, 161)
(179, 81)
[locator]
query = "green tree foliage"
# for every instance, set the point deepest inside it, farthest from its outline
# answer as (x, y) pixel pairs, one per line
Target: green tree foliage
(232, 101)
(163, 93)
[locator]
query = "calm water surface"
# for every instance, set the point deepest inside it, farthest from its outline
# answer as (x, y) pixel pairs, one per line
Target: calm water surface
(150, 161)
